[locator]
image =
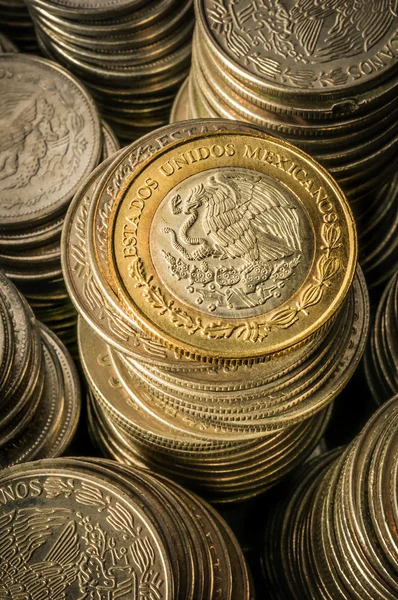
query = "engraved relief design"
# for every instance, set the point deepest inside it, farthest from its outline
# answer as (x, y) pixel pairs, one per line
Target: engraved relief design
(60, 553)
(238, 243)
(43, 136)
(326, 266)
(305, 32)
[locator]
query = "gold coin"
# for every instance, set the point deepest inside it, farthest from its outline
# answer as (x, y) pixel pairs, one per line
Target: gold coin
(231, 247)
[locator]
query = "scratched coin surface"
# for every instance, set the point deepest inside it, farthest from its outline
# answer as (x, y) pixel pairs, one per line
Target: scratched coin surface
(270, 217)
(302, 47)
(50, 139)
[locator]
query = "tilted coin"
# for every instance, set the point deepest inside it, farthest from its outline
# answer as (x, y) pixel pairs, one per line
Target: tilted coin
(55, 144)
(308, 54)
(285, 222)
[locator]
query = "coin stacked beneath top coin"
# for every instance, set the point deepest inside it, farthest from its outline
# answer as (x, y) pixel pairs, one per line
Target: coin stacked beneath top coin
(323, 76)
(51, 139)
(223, 284)
(92, 528)
(335, 536)
(17, 24)
(132, 54)
(381, 357)
(39, 387)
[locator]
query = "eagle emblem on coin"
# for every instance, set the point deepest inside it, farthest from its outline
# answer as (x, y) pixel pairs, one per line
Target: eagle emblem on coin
(238, 242)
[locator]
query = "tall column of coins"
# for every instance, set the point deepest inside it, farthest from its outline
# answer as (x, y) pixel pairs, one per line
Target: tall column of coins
(106, 530)
(335, 536)
(221, 306)
(17, 24)
(39, 387)
(51, 139)
(323, 77)
(132, 54)
(381, 356)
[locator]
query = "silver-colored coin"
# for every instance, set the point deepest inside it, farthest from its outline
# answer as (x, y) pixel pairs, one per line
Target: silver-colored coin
(51, 142)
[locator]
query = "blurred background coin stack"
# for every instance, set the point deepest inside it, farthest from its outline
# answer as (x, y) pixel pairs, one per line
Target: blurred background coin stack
(213, 346)
(17, 24)
(132, 54)
(6, 45)
(322, 76)
(39, 386)
(335, 535)
(106, 529)
(51, 139)
(381, 356)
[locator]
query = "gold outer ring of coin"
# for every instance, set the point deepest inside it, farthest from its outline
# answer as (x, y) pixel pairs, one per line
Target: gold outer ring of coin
(191, 331)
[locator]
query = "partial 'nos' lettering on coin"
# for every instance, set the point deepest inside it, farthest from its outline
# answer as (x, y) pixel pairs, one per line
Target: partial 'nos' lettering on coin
(231, 241)
(80, 542)
(307, 44)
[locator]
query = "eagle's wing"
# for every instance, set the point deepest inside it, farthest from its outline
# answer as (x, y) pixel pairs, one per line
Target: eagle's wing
(229, 228)
(272, 216)
(59, 568)
(357, 25)
(373, 19)
(25, 530)
(307, 20)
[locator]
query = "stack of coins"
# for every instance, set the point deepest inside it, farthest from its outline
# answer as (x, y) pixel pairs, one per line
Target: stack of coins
(95, 529)
(132, 54)
(17, 24)
(225, 287)
(379, 236)
(51, 139)
(381, 356)
(221, 469)
(324, 77)
(335, 536)
(39, 387)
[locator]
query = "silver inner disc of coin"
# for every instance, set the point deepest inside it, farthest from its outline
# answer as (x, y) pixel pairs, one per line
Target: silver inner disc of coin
(231, 242)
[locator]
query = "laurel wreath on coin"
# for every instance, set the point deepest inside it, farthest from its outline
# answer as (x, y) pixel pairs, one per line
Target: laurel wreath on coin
(327, 267)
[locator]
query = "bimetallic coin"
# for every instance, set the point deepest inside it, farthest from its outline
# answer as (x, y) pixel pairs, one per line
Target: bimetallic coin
(151, 256)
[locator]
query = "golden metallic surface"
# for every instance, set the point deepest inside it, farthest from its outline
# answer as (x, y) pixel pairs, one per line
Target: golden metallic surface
(136, 244)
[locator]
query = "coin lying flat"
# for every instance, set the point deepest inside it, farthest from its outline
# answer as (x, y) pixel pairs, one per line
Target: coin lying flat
(252, 221)
(58, 136)
(114, 529)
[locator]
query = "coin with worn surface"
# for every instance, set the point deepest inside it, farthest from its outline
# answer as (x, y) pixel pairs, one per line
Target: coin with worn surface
(85, 520)
(50, 144)
(300, 48)
(274, 226)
